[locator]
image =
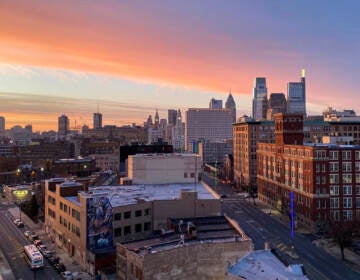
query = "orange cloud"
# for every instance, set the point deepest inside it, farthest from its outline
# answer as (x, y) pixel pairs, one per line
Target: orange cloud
(116, 39)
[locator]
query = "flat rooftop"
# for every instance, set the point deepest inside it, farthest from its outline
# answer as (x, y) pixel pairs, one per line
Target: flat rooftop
(214, 229)
(127, 195)
(264, 265)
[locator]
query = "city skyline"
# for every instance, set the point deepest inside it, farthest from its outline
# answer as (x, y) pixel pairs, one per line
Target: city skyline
(131, 58)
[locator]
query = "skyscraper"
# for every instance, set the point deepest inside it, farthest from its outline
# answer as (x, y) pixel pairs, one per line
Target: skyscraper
(296, 96)
(259, 106)
(172, 116)
(215, 103)
(97, 120)
(276, 104)
(157, 119)
(230, 105)
(63, 126)
(2, 126)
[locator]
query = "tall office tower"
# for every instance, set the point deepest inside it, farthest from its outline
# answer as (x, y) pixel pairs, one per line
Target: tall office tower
(296, 96)
(215, 103)
(259, 107)
(276, 104)
(97, 120)
(230, 105)
(156, 124)
(2, 126)
(172, 117)
(63, 126)
(207, 124)
(179, 133)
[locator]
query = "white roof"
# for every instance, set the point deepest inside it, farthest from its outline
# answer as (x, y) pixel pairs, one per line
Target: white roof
(263, 265)
(127, 195)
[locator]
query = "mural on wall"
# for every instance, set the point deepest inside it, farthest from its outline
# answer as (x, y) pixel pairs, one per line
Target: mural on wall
(99, 221)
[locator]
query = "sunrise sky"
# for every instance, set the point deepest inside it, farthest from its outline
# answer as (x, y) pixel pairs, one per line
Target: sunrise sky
(132, 57)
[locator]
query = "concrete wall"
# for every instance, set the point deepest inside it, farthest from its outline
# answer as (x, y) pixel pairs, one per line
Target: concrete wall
(163, 168)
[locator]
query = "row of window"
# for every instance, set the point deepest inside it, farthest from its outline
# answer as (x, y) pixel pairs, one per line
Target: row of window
(51, 213)
(127, 230)
(75, 229)
(67, 209)
(345, 155)
(347, 202)
(127, 214)
(51, 200)
(347, 214)
(347, 190)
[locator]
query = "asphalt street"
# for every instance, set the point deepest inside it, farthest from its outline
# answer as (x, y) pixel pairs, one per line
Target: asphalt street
(12, 241)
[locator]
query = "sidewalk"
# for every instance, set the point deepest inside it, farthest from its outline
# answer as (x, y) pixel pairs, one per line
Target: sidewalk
(38, 228)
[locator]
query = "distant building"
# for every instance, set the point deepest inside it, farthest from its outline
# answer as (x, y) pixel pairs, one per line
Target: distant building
(80, 167)
(63, 127)
(2, 126)
(208, 124)
(190, 248)
(215, 103)
(214, 152)
(164, 168)
(19, 135)
(172, 115)
(296, 96)
(276, 104)
(97, 120)
(259, 105)
(247, 133)
(230, 105)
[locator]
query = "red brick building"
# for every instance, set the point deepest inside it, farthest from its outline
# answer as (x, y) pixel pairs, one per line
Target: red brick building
(325, 178)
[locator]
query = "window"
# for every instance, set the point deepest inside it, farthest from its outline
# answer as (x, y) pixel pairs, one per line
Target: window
(317, 180)
(357, 166)
(323, 169)
(138, 227)
(117, 216)
(334, 202)
(334, 178)
(334, 190)
(61, 205)
(358, 202)
(318, 204)
(185, 175)
(334, 154)
(357, 155)
(346, 155)
(65, 208)
(346, 166)
(347, 178)
(147, 226)
(127, 230)
(138, 213)
(347, 202)
(334, 166)
(192, 175)
(347, 215)
(323, 180)
(127, 215)
(357, 190)
(336, 215)
(347, 190)
(117, 232)
(147, 212)
(357, 178)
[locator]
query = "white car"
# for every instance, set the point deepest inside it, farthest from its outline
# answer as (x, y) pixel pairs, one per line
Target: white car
(67, 275)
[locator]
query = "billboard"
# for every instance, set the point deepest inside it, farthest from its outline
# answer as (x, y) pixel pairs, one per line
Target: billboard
(99, 224)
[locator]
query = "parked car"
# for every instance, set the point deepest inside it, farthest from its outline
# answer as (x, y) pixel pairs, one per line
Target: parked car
(54, 260)
(27, 233)
(20, 224)
(33, 237)
(60, 267)
(67, 275)
(37, 242)
(42, 247)
(47, 254)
